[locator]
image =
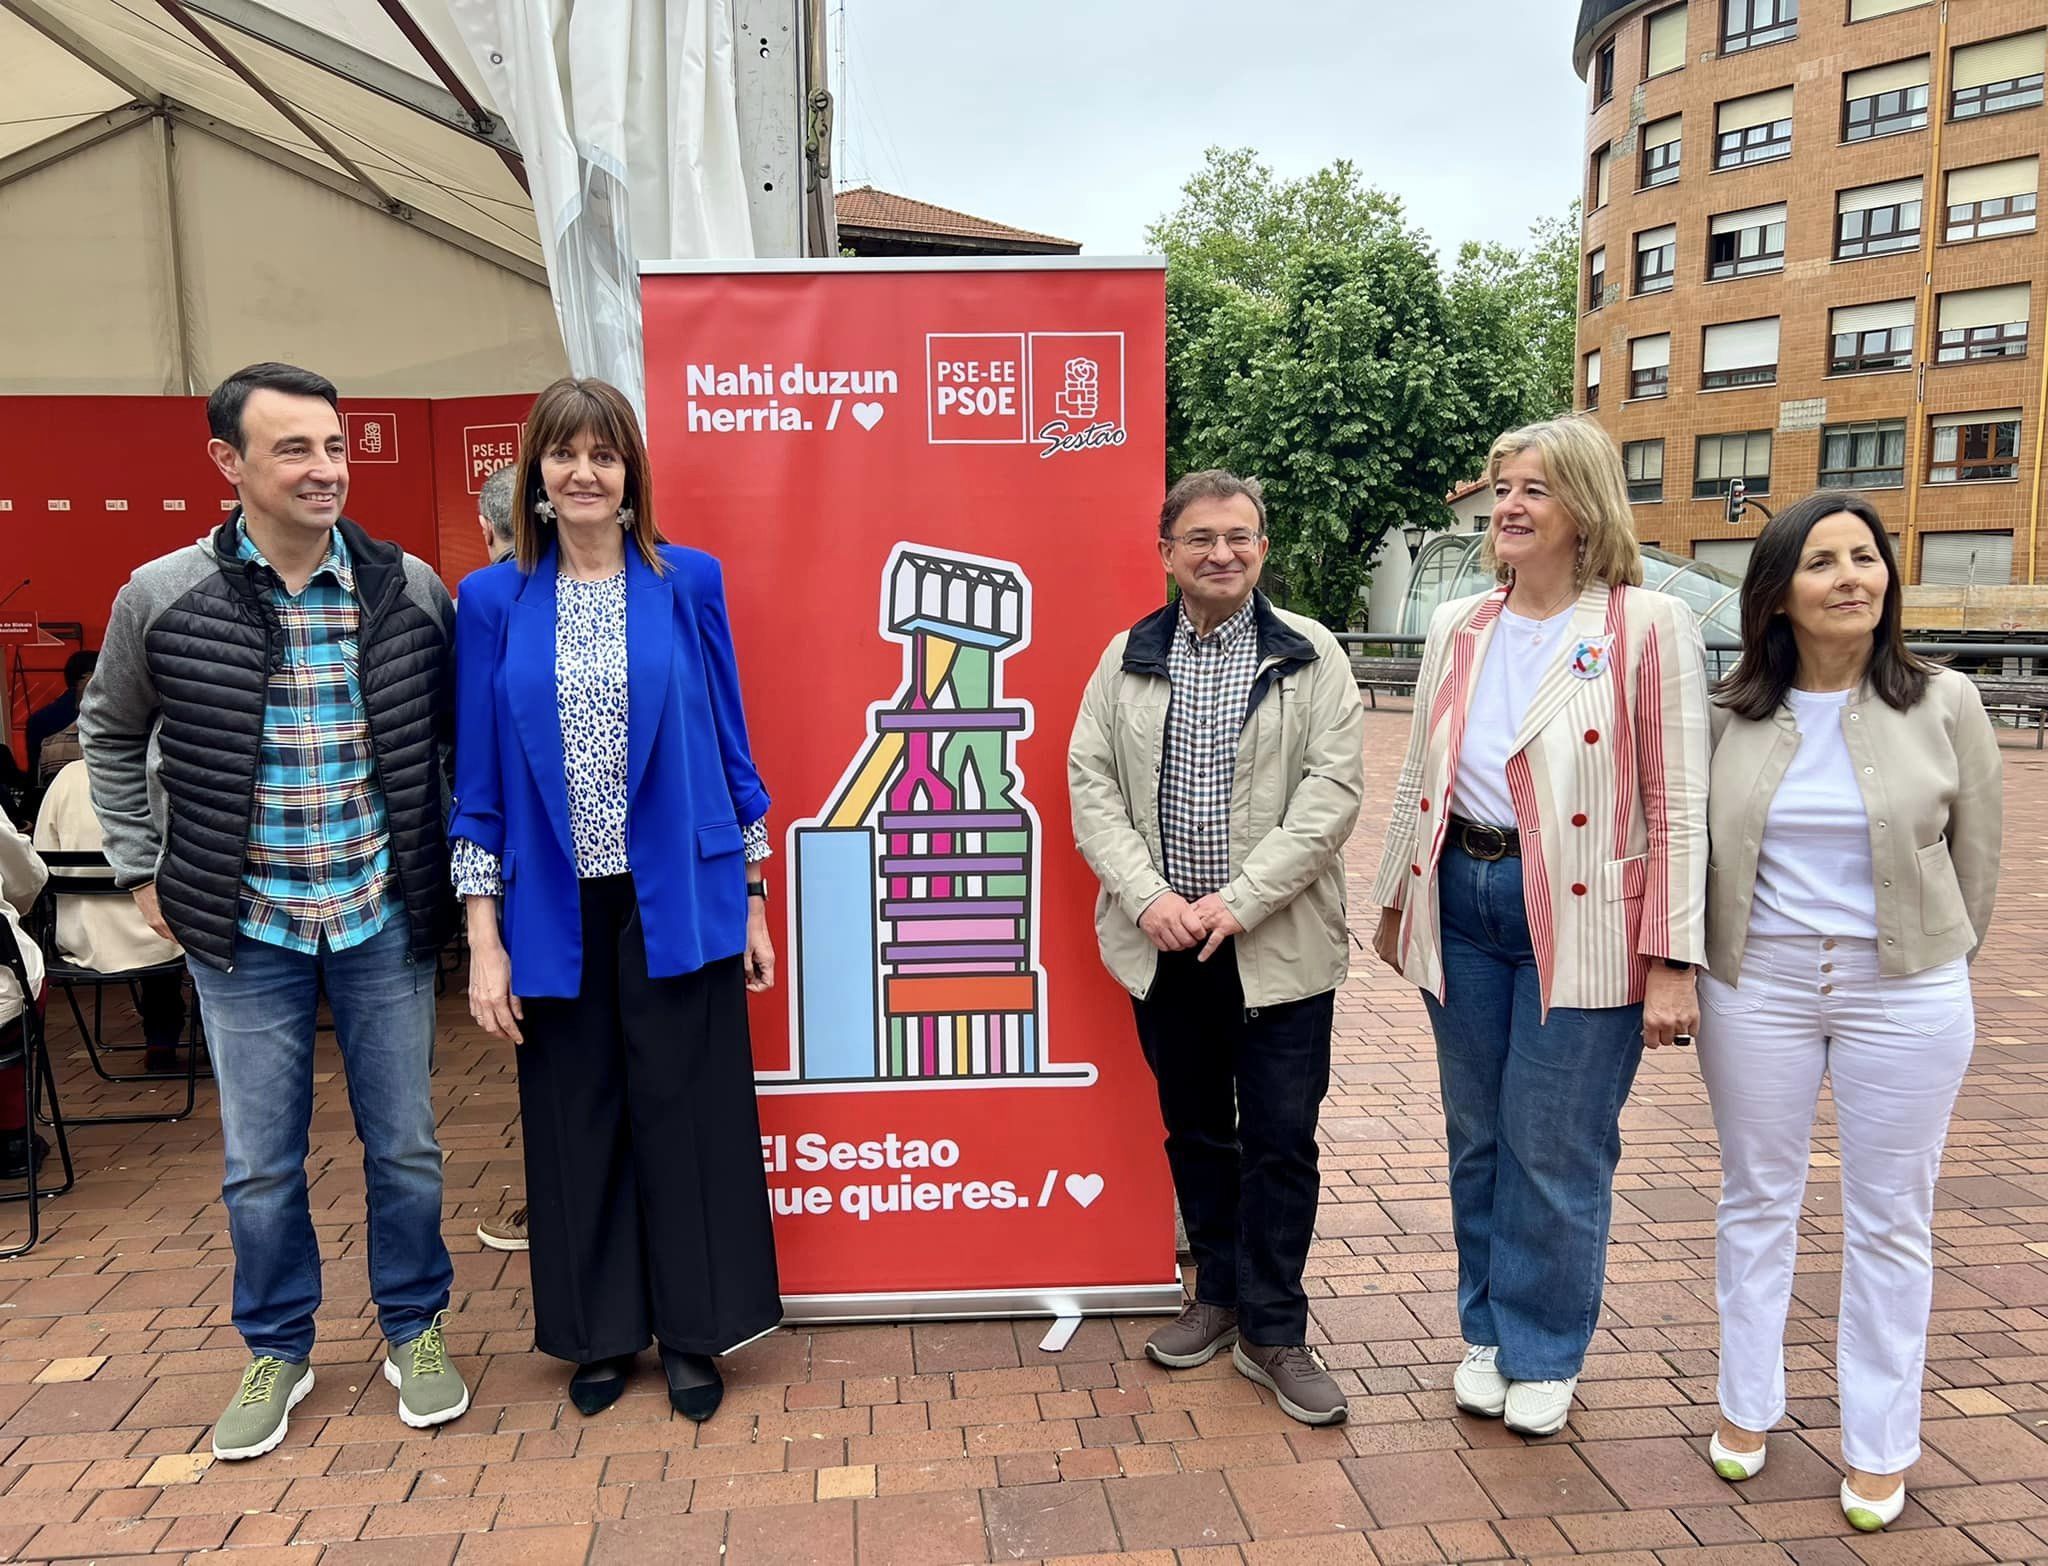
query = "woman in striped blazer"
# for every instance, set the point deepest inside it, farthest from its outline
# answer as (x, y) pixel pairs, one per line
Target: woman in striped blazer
(1544, 882)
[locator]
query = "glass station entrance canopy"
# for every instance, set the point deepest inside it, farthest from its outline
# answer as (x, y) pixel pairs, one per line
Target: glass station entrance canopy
(1448, 567)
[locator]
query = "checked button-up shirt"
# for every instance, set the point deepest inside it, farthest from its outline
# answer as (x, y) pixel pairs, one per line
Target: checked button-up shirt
(1212, 682)
(319, 861)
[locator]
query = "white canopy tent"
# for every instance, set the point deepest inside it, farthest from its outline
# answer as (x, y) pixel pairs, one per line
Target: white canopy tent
(187, 185)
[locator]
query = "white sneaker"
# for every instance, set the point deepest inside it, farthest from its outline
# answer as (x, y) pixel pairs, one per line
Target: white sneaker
(1732, 1465)
(1867, 1516)
(1539, 1408)
(1478, 1387)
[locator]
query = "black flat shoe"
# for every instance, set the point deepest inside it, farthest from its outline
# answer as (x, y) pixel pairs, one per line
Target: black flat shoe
(596, 1386)
(695, 1388)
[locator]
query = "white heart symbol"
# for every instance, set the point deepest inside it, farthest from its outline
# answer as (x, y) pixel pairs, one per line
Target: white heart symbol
(867, 414)
(1084, 1188)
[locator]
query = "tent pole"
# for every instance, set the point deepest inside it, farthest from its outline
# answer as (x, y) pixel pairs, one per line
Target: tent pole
(174, 260)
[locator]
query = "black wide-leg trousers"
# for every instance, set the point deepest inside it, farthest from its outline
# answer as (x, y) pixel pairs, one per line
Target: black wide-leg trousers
(646, 1199)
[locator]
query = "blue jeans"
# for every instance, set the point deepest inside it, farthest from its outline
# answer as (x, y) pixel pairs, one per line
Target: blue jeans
(259, 1029)
(1532, 1112)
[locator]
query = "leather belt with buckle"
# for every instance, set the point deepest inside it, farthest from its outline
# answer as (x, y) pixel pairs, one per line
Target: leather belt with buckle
(1486, 843)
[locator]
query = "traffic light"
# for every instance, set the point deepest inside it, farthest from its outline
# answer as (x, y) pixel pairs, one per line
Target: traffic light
(1736, 490)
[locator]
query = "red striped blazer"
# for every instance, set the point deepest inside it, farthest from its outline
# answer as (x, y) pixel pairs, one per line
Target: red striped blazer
(1608, 778)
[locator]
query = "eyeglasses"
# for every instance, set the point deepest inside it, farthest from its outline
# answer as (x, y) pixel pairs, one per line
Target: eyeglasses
(1241, 541)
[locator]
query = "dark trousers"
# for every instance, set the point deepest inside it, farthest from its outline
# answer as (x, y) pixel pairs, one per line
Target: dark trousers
(647, 1203)
(163, 1009)
(1239, 1091)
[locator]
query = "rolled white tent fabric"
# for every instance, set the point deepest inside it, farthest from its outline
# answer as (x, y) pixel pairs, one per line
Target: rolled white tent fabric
(627, 115)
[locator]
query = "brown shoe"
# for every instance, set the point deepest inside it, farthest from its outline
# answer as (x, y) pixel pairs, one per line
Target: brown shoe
(1294, 1375)
(1195, 1337)
(506, 1233)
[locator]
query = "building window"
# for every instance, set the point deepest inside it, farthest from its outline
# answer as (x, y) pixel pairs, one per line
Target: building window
(1603, 74)
(1755, 129)
(1749, 24)
(1957, 345)
(1644, 460)
(1596, 279)
(1975, 447)
(1888, 113)
(1996, 77)
(1649, 366)
(1664, 42)
(1661, 149)
(1721, 459)
(1863, 456)
(1739, 353)
(1743, 244)
(1983, 323)
(1602, 177)
(1656, 260)
(1871, 337)
(2018, 92)
(1991, 217)
(1593, 380)
(1877, 231)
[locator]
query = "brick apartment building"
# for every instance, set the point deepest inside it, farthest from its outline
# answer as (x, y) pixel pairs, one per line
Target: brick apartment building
(1812, 257)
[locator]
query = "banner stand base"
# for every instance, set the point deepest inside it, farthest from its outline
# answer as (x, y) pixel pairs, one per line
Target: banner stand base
(1101, 1299)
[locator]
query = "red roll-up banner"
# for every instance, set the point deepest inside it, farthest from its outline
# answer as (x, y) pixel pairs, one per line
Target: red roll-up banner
(933, 487)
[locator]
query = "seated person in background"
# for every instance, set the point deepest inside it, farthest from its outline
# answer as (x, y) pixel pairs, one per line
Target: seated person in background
(108, 934)
(21, 882)
(59, 714)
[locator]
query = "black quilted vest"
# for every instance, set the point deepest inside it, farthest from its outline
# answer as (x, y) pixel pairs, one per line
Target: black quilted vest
(210, 655)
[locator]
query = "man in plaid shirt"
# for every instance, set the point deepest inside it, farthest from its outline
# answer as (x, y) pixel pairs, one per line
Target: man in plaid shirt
(266, 739)
(1215, 772)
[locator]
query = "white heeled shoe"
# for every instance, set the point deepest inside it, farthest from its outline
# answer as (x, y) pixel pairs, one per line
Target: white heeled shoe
(1732, 1465)
(1868, 1516)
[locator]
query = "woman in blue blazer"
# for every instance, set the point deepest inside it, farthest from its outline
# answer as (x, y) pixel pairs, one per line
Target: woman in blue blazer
(608, 836)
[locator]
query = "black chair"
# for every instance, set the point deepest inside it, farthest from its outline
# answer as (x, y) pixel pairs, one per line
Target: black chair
(76, 873)
(25, 1041)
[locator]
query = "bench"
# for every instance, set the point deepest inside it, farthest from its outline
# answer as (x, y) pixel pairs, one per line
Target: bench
(1395, 676)
(2018, 699)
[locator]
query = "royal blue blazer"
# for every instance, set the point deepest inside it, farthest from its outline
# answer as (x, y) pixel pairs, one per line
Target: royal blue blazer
(690, 778)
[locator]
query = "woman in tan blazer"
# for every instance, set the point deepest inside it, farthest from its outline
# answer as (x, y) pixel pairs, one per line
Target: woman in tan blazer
(1855, 819)
(1543, 882)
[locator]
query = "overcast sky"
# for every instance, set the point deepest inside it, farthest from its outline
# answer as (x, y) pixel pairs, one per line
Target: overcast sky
(1083, 117)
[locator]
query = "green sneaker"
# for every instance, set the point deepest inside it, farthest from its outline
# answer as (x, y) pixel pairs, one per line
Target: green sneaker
(430, 1390)
(256, 1419)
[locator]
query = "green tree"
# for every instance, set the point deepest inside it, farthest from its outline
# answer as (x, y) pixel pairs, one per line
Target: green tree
(1309, 342)
(1514, 323)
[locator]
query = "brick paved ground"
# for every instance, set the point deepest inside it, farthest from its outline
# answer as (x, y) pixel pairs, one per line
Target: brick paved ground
(960, 1442)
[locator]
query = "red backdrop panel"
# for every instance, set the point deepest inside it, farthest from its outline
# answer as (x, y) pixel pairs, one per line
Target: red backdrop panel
(933, 495)
(95, 486)
(473, 436)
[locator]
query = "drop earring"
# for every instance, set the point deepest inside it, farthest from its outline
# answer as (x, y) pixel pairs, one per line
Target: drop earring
(625, 516)
(544, 508)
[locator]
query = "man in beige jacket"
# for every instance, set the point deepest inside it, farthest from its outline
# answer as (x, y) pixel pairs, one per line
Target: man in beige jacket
(1215, 773)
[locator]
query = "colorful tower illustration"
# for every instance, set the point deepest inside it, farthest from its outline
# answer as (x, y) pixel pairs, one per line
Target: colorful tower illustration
(915, 910)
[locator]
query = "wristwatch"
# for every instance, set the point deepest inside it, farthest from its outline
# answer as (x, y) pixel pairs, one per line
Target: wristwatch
(1677, 966)
(758, 889)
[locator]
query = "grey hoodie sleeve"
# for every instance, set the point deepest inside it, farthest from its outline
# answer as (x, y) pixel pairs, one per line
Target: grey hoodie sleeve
(115, 722)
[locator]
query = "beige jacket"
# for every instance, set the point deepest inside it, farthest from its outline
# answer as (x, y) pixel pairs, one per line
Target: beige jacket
(105, 934)
(1932, 789)
(1609, 783)
(21, 881)
(1300, 776)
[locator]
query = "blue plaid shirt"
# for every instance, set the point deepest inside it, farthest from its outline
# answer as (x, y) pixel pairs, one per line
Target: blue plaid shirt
(319, 863)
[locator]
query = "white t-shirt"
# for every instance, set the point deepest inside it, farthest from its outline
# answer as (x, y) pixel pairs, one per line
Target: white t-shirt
(1520, 653)
(1813, 872)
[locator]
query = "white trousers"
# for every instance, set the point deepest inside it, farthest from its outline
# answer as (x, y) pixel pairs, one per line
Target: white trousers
(1896, 1050)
